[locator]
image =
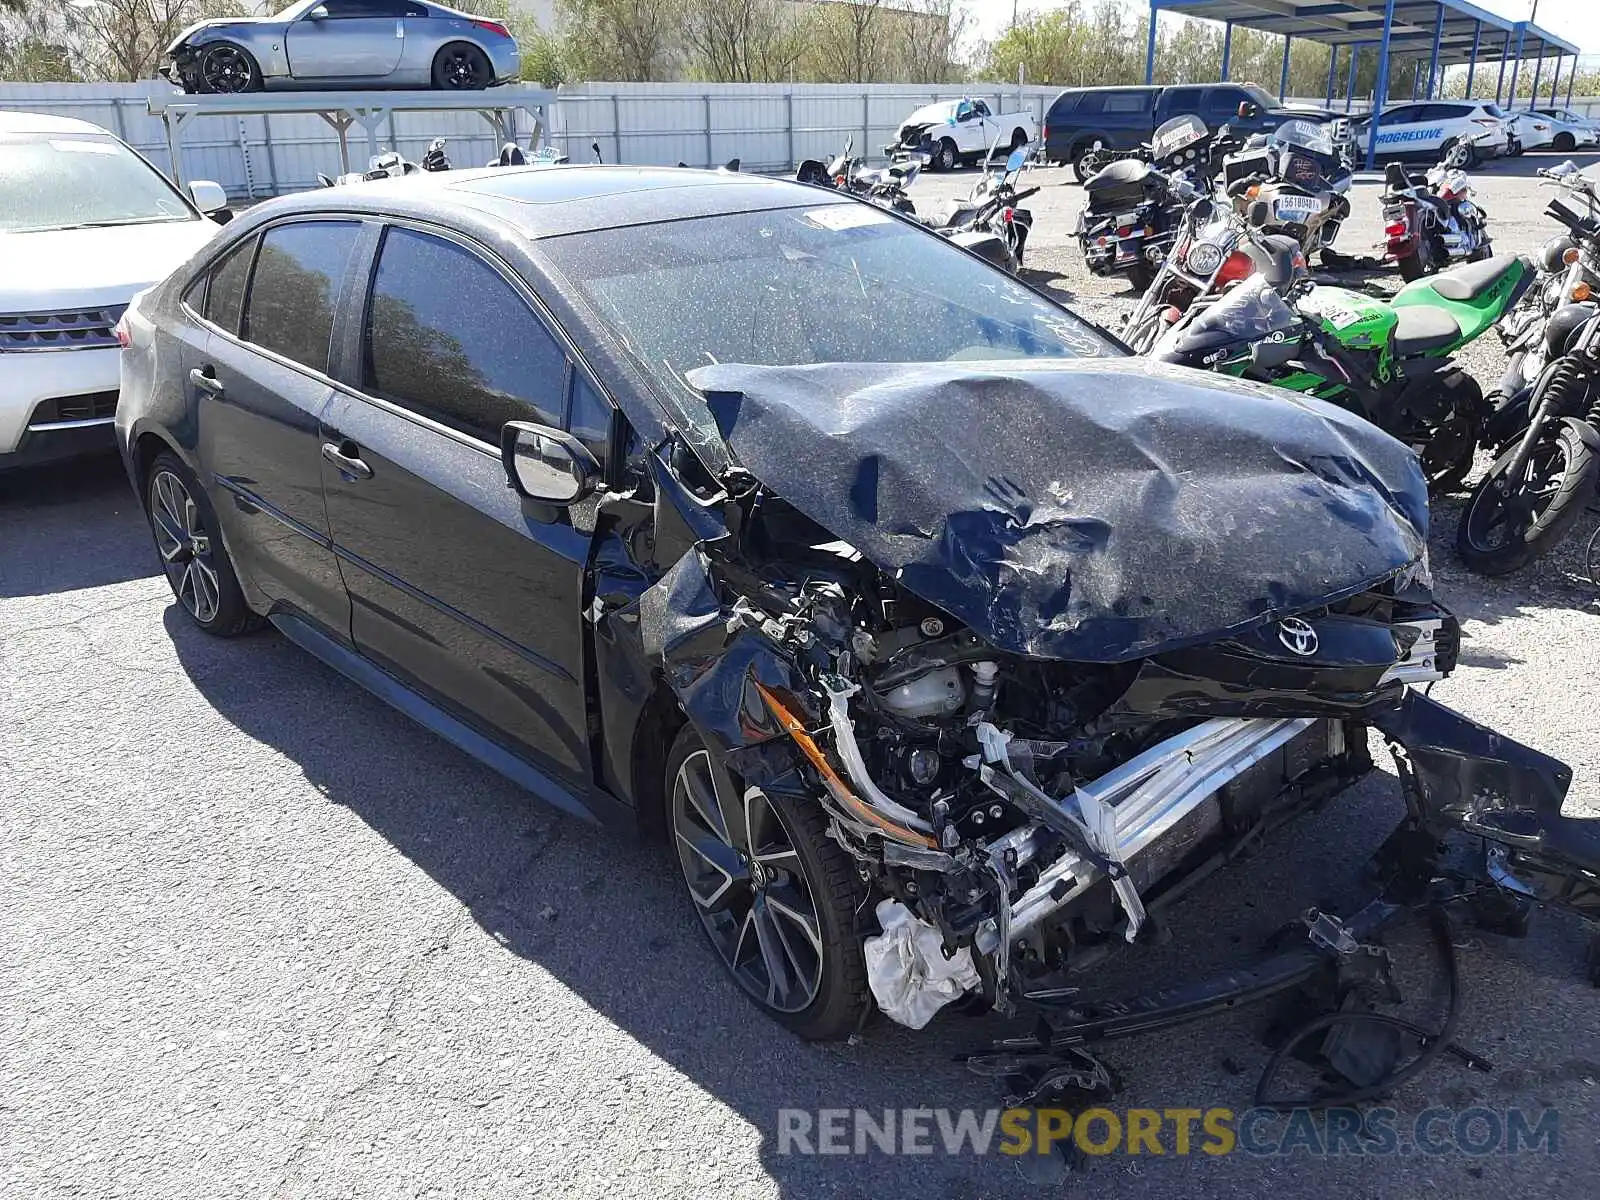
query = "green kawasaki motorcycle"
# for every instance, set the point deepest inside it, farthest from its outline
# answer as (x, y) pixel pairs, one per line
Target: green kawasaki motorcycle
(1385, 360)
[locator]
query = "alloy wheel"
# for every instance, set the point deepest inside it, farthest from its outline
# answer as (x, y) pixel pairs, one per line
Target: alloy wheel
(461, 69)
(1510, 508)
(185, 547)
(749, 886)
(225, 69)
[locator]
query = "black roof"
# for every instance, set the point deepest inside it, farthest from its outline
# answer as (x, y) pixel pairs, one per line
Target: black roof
(548, 201)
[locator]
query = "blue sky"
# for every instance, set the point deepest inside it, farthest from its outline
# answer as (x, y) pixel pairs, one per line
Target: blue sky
(1564, 18)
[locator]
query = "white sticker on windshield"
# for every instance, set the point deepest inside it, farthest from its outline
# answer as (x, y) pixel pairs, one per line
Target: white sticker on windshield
(847, 216)
(79, 146)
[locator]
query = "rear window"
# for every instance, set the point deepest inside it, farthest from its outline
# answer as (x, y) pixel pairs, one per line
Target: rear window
(1064, 105)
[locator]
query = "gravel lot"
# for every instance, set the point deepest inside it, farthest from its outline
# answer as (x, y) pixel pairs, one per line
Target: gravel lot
(266, 937)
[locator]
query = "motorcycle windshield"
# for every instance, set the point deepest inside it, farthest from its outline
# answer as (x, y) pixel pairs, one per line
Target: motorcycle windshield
(1306, 155)
(1250, 312)
(1305, 135)
(1177, 135)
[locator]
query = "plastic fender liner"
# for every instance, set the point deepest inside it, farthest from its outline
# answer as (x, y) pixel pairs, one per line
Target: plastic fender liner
(1468, 777)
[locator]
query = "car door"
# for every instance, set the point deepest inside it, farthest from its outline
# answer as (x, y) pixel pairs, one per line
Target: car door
(348, 39)
(458, 586)
(261, 385)
(1400, 130)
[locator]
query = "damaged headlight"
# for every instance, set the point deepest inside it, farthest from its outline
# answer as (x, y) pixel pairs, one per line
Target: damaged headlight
(1418, 575)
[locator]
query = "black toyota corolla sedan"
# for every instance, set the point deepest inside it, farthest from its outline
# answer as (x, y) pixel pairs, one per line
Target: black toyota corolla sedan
(943, 642)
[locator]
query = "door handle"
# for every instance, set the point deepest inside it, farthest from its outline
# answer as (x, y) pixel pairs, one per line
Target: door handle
(347, 457)
(205, 378)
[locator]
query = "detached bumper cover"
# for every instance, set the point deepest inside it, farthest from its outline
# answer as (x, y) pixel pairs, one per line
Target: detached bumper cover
(1468, 777)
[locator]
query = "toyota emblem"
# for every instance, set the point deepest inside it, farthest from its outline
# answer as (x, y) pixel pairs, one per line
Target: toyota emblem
(1297, 636)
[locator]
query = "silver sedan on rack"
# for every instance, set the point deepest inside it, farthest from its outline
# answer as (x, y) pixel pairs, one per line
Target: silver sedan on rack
(343, 44)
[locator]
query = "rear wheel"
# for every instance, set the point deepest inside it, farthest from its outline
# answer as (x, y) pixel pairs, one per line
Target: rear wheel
(776, 896)
(192, 554)
(1446, 447)
(461, 67)
(1509, 523)
(226, 69)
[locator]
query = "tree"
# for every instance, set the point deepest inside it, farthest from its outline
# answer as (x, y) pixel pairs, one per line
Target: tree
(931, 34)
(742, 41)
(848, 41)
(620, 39)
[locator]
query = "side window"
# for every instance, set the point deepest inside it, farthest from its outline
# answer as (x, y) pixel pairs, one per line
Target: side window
(590, 417)
(350, 9)
(1127, 102)
(295, 286)
(1064, 106)
(1401, 116)
(1092, 103)
(981, 108)
(225, 296)
(449, 338)
(1222, 104)
(1182, 101)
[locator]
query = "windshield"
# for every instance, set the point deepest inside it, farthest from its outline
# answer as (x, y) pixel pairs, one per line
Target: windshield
(789, 287)
(68, 181)
(1250, 312)
(1308, 135)
(1177, 134)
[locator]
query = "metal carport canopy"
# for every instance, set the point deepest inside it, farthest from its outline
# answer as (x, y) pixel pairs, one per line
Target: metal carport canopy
(1445, 32)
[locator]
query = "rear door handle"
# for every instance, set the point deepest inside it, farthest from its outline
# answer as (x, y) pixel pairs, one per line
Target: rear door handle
(205, 378)
(347, 457)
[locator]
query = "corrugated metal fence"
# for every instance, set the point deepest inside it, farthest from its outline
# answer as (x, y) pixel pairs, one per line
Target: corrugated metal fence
(769, 127)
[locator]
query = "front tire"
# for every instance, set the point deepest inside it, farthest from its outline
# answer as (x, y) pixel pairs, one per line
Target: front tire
(1565, 143)
(188, 539)
(945, 158)
(461, 67)
(1500, 533)
(777, 898)
(226, 70)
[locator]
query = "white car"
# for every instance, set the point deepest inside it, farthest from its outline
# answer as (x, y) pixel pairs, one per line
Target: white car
(1425, 129)
(1570, 130)
(1530, 131)
(962, 130)
(85, 223)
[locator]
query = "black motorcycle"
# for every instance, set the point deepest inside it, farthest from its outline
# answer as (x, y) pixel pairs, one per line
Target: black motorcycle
(1132, 210)
(1544, 478)
(991, 222)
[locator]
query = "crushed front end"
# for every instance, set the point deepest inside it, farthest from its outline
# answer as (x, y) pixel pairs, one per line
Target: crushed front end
(1027, 746)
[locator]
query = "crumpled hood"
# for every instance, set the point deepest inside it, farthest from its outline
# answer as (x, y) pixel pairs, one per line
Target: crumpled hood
(1091, 511)
(60, 268)
(929, 114)
(216, 23)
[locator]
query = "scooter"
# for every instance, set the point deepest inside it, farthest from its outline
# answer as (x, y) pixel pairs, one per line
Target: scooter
(1430, 221)
(1389, 362)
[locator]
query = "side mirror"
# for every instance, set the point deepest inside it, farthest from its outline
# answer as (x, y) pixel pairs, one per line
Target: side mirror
(319, 13)
(208, 197)
(1247, 110)
(1258, 214)
(547, 464)
(595, 146)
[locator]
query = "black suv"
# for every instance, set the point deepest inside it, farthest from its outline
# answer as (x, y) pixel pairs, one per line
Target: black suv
(770, 519)
(1082, 120)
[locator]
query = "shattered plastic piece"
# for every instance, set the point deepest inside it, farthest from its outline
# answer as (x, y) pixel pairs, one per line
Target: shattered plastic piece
(1091, 510)
(910, 977)
(1101, 822)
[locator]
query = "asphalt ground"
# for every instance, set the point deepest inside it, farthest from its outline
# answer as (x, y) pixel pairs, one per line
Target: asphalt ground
(264, 937)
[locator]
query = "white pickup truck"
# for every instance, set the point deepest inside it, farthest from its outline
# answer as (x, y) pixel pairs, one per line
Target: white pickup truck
(962, 130)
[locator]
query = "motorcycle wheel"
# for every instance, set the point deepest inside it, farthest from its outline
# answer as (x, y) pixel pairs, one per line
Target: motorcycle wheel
(1447, 449)
(1502, 530)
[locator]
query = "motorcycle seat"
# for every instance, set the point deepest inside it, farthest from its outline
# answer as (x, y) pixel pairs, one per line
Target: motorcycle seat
(1124, 173)
(1473, 280)
(1420, 329)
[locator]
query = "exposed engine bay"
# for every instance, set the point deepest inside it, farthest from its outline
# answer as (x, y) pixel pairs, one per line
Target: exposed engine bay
(1028, 740)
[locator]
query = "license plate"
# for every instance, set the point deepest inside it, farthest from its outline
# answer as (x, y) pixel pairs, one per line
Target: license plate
(1300, 206)
(1126, 219)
